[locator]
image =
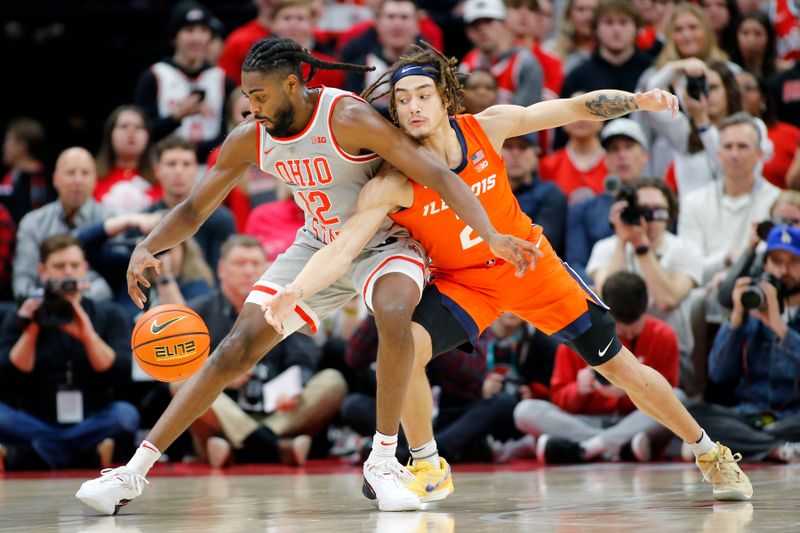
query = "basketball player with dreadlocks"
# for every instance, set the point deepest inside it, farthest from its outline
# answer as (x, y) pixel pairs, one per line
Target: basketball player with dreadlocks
(470, 288)
(325, 144)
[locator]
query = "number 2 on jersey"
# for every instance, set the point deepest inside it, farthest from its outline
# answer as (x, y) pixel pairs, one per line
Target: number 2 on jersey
(314, 197)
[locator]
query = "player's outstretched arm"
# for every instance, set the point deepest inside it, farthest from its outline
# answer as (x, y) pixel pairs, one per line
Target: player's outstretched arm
(180, 223)
(358, 126)
(379, 197)
(504, 121)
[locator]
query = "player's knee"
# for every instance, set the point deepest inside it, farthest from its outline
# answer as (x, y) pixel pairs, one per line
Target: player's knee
(393, 316)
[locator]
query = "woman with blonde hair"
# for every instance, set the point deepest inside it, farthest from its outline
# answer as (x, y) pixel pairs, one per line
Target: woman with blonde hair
(689, 34)
(575, 41)
(184, 275)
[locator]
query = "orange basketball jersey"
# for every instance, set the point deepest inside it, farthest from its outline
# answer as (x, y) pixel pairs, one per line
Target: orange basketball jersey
(450, 243)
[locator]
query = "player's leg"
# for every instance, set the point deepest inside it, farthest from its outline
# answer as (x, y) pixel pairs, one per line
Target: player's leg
(247, 342)
(391, 278)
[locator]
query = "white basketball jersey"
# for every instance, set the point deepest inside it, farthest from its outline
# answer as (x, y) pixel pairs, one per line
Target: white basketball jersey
(324, 179)
(174, 85)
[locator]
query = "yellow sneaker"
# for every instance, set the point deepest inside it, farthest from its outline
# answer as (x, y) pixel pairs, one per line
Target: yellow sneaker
(720, 469)
(435, 484)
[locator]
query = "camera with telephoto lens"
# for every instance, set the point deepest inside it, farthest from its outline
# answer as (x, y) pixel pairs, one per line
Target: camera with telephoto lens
(55, 309)
(633, 212)
(753, 296)
(696, 86)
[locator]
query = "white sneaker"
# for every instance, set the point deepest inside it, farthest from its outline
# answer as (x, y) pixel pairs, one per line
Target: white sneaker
(789, 452)
(386, 485)
(640, 446)
(113, 489)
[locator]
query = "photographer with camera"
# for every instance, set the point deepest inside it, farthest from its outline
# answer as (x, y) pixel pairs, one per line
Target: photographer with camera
(670, 266)
(62, 355)
(589, 418)
(759, 347)
(784, 212)
(237, 425)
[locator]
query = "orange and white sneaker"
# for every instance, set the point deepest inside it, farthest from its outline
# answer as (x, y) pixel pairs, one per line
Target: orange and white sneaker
(720, 468)
(437, 483)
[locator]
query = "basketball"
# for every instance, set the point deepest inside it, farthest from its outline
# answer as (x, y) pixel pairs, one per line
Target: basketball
(170, 342)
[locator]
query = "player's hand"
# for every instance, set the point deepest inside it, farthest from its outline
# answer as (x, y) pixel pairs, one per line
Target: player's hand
(141, 260)
(657, 100)
(519, 252)
(280, 305)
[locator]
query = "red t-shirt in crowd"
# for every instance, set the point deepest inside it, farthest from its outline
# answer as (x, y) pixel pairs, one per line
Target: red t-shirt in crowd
(785, 139)
(275, 224)
(560, 168)
(125, 191)
(657, 347)
(552, 72)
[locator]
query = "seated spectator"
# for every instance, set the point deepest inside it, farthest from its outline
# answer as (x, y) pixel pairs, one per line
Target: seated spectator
(541, 200)
(626, 156)
(481, 91)
(615, 63)
(589, 418)
(784, 87)
(755, 48)
(254, 435)
(184, 275)
(126, 182)
(294, 19)
(575, 41)
(758, 348)
(521, 19)
(184, 95)
(784, 212)
(64, 356)
(241, 39)
(176, 171)
(579, 168)
(670, 265)
(25, 185)
(275, 224)
(396, 29)
(694, 137)
(688, 34)
(723, 15)
(732, 203)
(785, 18)
(517, 72)
(757, 100)
(74, 179)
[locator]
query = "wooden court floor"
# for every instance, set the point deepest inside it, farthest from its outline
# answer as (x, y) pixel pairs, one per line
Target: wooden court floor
(596, 498)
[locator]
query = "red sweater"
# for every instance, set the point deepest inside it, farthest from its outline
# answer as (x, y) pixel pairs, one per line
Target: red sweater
(785, 139)
(558, 167)
(656, 347)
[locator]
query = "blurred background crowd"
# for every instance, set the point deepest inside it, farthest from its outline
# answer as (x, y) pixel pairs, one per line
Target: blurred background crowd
(689, 228)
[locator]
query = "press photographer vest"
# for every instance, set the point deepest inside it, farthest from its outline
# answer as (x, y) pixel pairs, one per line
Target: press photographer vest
(174, 85)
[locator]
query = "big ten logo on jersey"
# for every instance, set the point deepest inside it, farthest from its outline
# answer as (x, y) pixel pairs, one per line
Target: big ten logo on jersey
(305, 173)
(478, 188)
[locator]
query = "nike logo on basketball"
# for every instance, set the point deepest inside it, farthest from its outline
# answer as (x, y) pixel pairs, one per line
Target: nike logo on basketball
(601, 353)
(157, 328)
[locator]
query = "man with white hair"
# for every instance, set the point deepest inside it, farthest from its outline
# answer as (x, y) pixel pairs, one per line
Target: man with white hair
(74, 179)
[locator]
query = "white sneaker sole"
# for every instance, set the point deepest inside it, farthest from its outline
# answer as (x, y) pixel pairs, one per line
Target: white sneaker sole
(97, 502)
(731, 495)
(396, 504)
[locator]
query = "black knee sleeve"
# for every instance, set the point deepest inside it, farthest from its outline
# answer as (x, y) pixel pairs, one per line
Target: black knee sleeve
(599, 343)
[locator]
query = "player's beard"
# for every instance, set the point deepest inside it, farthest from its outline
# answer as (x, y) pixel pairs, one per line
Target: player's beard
(282, 123)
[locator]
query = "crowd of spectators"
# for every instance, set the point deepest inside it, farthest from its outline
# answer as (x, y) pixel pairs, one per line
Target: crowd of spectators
(687, 227)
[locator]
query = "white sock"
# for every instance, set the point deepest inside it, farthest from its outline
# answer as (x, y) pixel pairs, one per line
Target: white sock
(383, 446)
(144, 458)
(704, 445)
(427, 451)
(593, 447)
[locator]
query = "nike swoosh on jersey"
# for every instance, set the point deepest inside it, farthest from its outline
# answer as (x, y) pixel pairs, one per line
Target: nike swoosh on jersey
(601, 353)
(266, 152)
(157, 328)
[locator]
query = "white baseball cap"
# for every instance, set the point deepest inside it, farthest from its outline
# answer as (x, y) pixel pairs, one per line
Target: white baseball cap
(624, 127)
(484, 9)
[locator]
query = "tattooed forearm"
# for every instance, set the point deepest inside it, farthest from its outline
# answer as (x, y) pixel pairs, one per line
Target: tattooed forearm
(611, 106)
